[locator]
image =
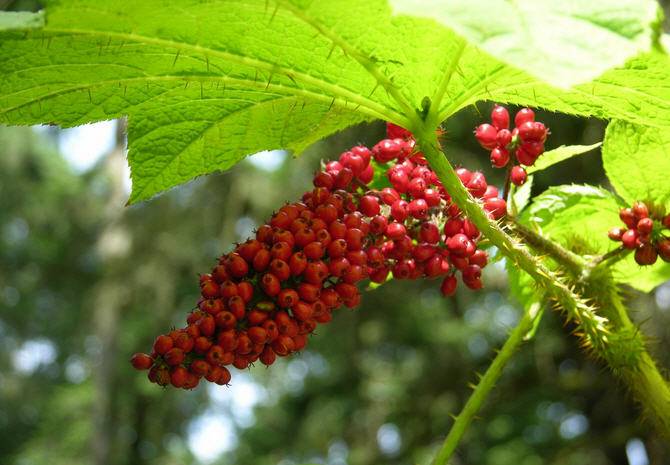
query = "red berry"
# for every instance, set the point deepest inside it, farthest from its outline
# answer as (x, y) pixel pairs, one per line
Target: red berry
(448, 287)
(524, 157)
(518, 175)
(141, 361)
(324, 179)
(237, 266)
(174, 356)
(500, 117)
(369, 205)
(499, 157)
(615, 234)
(645, 225)
(524, 115)
(628, 217)
(630, 239)
(270, 284)
(646, 255)
(179, 377)
(429, 232)
(486, 136)
(257, 335)
(200, 367)
(418, 208)
(394, 131)
(162, 344)
(387, 150)
(496, 206)
(504, 138)
(640, 210)
(663, 248)
(389, 195)
(477, 184)
(453, 226)
(268, 356)
(395, 230)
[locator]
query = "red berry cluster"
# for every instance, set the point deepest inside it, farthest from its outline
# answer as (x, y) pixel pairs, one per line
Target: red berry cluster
(643, 233)
(265, 297)
(524, 143)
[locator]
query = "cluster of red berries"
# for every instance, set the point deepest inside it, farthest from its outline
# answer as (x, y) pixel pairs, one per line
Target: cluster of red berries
(524, 143)
(643, 233)
(265, 297)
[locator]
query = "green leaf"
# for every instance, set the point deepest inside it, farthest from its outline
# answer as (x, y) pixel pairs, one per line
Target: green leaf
(636, 92)
(280, 75)
(11, 20)
(564, 43)
(521, 196)
(201, 96)
(536, 310)
(379, 180)
(582, 215)
(557, 155)
(637, 162)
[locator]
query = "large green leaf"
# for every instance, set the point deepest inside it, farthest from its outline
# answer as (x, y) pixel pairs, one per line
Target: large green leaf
(585, 214)
(206, 83)
(636, 92)
(564, 43)
(637, 162)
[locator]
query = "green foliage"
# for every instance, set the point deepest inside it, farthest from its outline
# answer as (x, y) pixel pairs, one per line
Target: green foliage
(521, 196)
(559, 154)
(201, 97)
(579, 217)
(563, 43)
(205, 84)
(637, 162)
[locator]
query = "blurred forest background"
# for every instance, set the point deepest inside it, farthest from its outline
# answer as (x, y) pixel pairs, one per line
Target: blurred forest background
(85, 282)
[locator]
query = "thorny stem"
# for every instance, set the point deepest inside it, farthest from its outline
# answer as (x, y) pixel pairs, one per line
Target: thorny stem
(593, 326)
(610, 257)
(570, 260)
(484, 387)
(620, 345)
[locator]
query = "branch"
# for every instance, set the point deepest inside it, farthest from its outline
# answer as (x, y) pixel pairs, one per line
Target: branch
(610, 257)
(571, 261)
(485, 386)
(620, 345)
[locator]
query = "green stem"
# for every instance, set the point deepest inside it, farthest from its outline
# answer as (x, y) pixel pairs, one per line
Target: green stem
(570, 260)
(486, 384)
(610, 258)
(619, 342)
(628, 357)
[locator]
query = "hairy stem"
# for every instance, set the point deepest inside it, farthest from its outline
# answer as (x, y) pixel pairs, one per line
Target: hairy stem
(628, 357)
(570, 260)
(484, 387)
(610, 257)
(619, 343)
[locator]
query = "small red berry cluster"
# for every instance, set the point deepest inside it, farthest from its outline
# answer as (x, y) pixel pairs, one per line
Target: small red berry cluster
(644, 233)
(265, 297)
(525, 143)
